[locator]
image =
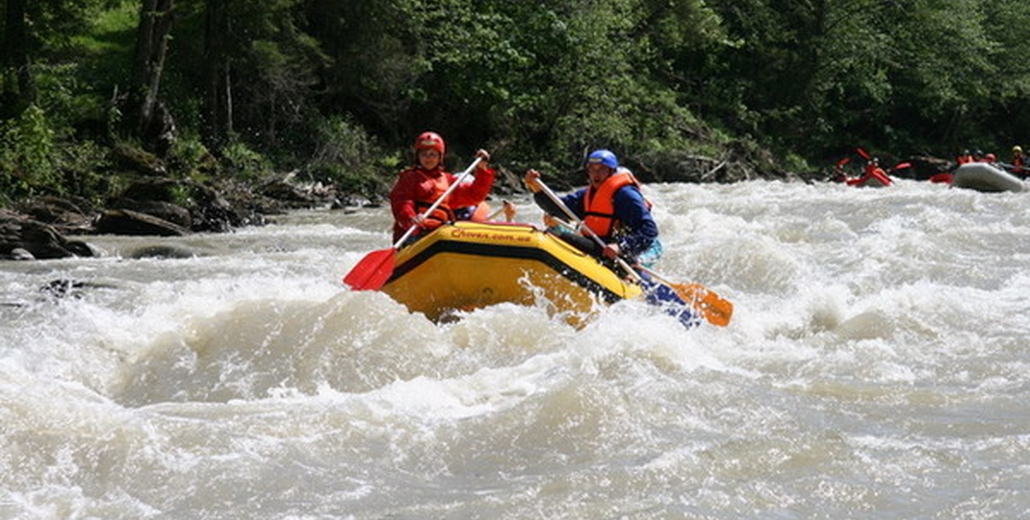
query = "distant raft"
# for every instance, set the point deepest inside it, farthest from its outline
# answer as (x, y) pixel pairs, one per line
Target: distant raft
(873, 179)
(984, 177)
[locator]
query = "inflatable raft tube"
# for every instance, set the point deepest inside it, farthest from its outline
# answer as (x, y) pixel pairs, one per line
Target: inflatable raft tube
(986, 178)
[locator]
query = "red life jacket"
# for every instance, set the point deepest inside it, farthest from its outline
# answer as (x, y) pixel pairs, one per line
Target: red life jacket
(443, 212)
(599, 205)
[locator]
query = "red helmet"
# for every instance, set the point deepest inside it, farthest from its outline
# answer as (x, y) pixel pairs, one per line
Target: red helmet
(430, 140)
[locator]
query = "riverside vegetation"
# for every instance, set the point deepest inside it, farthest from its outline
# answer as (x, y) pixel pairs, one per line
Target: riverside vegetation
(175, 116)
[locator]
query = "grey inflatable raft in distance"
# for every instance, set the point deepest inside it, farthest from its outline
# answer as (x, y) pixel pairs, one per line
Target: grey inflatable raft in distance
(984, 177)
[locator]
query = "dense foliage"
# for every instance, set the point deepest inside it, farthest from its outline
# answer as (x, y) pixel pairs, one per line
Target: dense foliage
(337, 89)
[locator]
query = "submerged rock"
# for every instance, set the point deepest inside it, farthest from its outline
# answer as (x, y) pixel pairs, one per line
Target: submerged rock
(161, 251)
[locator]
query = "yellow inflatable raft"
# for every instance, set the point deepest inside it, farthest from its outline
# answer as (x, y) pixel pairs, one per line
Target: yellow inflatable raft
(469, 265)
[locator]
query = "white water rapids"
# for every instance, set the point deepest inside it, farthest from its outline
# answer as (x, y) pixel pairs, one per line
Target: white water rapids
(877, 367)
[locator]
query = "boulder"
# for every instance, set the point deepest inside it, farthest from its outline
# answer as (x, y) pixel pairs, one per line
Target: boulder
(66, 215)
(291, 195)
(137, 160)
(22, 238)
(162, 189)
(183, 202)
(128, 222)
(167, 211)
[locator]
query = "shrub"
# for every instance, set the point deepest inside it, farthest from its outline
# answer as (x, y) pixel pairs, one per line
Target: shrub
(26, 154)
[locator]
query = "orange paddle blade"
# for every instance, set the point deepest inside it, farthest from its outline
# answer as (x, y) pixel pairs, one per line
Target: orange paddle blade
(716, 310)
(372, 271)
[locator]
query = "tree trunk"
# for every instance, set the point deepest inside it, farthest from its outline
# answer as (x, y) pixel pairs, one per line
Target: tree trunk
(149, 119)
(16, 76)
(218, 117)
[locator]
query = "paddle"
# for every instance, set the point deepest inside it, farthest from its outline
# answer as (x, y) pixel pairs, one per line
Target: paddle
(507, 209)
(376, 268)
(716, 310)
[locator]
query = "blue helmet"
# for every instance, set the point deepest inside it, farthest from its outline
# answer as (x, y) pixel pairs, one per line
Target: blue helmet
(605, 157)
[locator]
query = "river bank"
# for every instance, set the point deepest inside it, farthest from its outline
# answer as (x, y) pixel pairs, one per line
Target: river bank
(153, 204)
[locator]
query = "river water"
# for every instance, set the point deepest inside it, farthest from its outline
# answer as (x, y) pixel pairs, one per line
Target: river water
(877, 367)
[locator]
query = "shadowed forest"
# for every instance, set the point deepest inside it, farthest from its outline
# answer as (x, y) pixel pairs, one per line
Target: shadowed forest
(334, 91)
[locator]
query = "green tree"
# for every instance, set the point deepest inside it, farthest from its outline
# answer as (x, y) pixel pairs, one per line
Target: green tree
(18, 91)
(148, 117)
(1007, 22)
(27, 30)
(828, 75)
(258, 71)
(533, 79)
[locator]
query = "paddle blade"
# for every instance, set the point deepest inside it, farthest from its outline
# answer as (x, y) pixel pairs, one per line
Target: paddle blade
(667, 298)
(714, 309)
(372, 271)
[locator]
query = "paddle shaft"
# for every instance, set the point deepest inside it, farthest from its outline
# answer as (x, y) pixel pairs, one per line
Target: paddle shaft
(504, 207)
(439, 201)
(657, 276)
